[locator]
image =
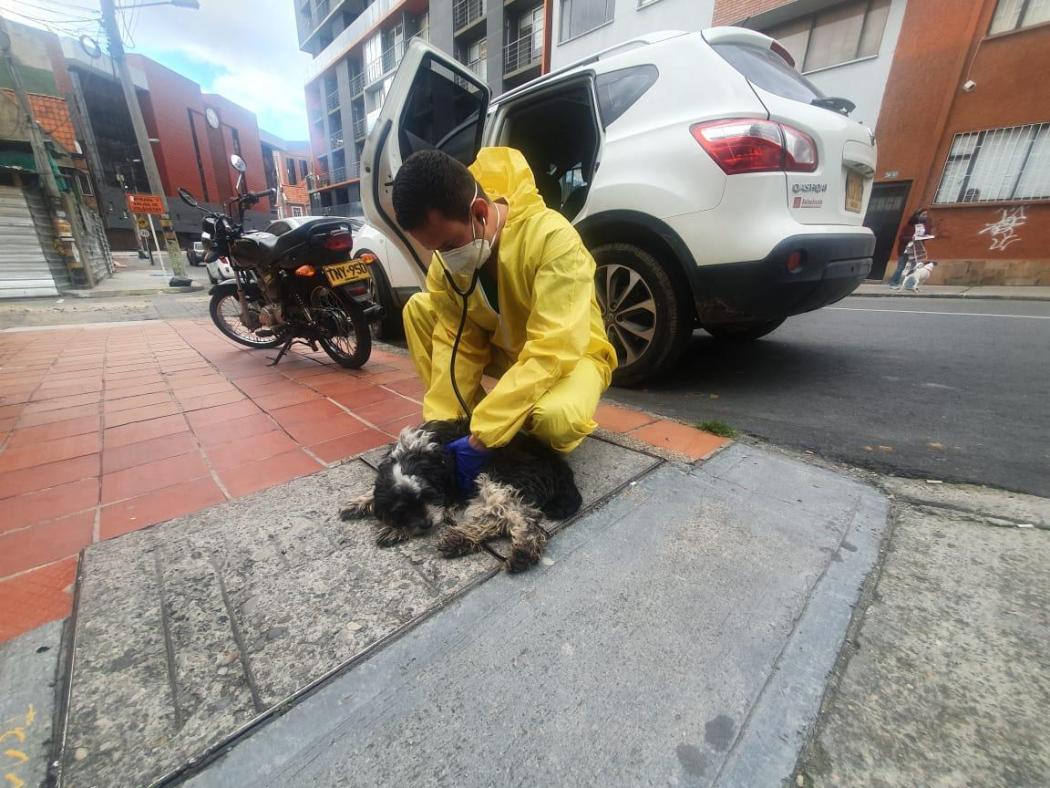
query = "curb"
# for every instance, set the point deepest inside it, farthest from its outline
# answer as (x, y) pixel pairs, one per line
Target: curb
(960, 296)
(131, 292)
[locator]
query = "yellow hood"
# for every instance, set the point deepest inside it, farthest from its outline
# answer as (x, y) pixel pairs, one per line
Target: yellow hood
(504, 173)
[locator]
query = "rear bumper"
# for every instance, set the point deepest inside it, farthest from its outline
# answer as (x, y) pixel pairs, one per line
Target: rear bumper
(832, 268)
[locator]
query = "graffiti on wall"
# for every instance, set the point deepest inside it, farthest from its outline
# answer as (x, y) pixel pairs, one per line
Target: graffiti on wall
(1004, 231)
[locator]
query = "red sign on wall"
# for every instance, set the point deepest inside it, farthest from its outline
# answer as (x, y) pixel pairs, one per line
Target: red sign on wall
(145, 203)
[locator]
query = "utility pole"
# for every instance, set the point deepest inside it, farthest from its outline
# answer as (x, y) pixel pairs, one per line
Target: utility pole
(61, 205)
(156, 185)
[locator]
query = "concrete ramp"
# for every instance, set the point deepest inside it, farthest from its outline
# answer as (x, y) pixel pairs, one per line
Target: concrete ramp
(188, 631)
(680, 635)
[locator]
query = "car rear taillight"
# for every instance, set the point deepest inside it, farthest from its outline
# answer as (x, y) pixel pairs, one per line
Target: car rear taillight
(338, 241)
(748, 145)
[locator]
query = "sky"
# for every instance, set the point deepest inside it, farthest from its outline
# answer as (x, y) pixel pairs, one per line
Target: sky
(245, 50)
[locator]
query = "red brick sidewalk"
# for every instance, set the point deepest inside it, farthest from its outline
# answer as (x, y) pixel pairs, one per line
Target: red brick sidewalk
(110, 429)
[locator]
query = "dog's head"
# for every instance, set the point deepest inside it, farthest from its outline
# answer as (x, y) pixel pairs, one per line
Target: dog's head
(415, 481)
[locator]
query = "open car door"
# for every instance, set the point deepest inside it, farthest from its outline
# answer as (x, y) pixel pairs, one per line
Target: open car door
(433, 102)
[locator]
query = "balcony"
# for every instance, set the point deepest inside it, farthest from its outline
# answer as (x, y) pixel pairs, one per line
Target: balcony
(387, 62)
(523, 53)
(322, 10)
(466, 13)
(350, 37)
(479, 67)
(339, 175)
(360, 128)
(317, 114)
(357, 84)
(331, 101)
(335, 139)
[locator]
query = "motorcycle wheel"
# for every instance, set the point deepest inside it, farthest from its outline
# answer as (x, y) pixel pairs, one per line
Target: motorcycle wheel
(351, 341)
(225, 312)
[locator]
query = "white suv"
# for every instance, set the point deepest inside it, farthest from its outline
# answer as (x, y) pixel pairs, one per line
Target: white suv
(714, 185)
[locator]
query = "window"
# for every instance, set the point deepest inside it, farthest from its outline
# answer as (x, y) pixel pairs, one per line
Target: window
(769, 71)
(1015, 14)
(289, 168)
(236, 141)
(838, 35)
(443, 111)
(618, 90)
(85, 183)
(297, 210)
(302, 167)
(581, 16)
(998, 164)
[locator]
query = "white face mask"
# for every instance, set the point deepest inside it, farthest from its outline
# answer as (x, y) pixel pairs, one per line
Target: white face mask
(469, 257)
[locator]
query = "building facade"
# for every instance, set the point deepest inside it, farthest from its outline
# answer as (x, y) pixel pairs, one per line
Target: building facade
(961, 116)
(37, 253)
(193, 135)
(357, 46)
(288, 165)
(583, 27)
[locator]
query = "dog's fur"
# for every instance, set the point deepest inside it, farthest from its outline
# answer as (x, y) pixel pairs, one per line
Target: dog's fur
(916, 275)
(416, 490)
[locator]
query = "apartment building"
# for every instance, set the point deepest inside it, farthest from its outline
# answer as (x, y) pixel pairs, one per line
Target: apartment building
(953, 92)
(356, 47)
(287, 167)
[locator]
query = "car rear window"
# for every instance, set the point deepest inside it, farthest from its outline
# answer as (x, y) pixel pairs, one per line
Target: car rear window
(766, 69)
(618, 90)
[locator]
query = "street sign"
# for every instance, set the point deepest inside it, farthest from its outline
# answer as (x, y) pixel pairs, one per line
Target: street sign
(145, 203)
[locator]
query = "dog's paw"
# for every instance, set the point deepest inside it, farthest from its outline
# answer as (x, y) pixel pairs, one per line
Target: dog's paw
(453, 544)
(358, 508)
(390, 536)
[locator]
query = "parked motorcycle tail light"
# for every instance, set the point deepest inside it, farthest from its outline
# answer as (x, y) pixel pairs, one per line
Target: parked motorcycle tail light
(358, 288)
(368, 257)
(338, 241)
(754, 145)
(306, 270)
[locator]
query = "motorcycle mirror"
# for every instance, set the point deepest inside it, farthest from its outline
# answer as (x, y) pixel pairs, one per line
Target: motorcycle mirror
(188, 198)
(238, 163)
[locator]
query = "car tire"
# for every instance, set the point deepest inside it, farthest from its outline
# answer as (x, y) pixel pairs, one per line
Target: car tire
(649, 319)
(743, 332)
(389, 326)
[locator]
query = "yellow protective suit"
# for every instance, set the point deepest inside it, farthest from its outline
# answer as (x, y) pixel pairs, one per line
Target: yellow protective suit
(546, 343)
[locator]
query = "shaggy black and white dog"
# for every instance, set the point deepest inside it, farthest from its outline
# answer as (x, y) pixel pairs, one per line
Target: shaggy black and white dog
(416, 490)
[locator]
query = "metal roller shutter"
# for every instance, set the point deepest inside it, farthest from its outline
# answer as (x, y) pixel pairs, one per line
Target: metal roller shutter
(24, 268)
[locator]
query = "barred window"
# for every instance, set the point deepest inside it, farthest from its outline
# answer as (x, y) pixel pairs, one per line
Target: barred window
(998, 164)
(1016, 14)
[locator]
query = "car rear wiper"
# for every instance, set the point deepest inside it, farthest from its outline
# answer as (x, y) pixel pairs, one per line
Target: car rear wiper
(835, 104)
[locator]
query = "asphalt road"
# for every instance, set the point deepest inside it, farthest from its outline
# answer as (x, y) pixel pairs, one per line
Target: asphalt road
(935, 388)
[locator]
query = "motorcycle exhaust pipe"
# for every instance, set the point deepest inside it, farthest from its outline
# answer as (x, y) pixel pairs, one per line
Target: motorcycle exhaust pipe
(374, 311)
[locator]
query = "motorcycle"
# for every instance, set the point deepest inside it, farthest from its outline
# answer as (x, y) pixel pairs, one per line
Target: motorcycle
(297, 287)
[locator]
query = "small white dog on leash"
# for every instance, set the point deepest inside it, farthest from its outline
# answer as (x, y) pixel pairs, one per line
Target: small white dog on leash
(914, 278)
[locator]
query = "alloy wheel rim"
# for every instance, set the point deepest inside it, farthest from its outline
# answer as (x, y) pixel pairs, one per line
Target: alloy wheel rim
(628, 310)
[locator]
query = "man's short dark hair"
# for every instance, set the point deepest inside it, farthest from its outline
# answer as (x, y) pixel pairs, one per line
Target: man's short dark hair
(431, 180)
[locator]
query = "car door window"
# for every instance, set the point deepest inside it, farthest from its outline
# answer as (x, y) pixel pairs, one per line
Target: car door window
(443, 111)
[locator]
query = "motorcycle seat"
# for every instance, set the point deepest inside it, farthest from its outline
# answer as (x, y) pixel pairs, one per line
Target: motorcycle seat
(263, 247)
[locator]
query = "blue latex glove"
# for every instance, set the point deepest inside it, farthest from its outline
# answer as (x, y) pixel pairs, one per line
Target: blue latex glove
(468, 462)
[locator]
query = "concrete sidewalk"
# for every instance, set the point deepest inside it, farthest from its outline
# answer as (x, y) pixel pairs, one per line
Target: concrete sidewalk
(989, 292)
(136, 277)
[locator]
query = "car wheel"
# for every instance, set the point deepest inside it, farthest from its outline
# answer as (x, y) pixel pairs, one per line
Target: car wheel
(647, 318)
(742, 332)
(389, 326)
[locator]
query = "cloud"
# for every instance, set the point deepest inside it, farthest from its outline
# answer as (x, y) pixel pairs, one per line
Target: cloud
(245, 50)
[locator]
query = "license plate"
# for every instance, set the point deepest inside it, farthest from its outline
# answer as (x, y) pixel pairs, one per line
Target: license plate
(854, 192)
(350, 271)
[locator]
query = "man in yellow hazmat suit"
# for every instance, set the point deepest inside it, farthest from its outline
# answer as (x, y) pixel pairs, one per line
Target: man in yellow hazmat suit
(532, 318)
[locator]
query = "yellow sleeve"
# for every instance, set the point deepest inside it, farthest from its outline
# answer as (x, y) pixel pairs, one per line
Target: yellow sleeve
(439, 401)
(556, 338)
